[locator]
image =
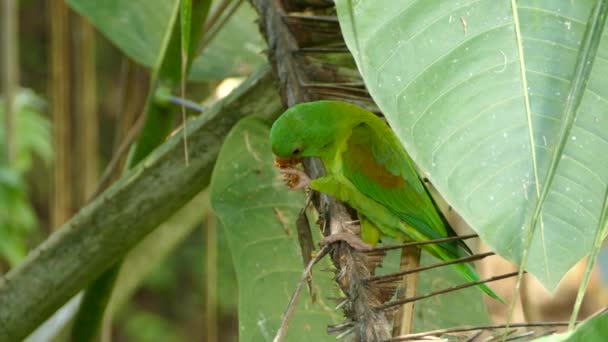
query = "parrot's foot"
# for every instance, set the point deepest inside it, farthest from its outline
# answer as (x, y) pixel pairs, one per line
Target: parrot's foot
(295, 179)
(352, 240)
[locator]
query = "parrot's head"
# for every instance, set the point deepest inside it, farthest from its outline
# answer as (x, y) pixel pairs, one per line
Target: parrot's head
(308, 130)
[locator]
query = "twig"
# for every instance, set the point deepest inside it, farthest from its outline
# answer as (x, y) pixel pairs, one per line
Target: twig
(446, 290)
(600, 233)
(428, 267)
(322, 49)
(117, 157)
(428, 242)
(313, 18)
(305, 241)
(216, 15)
(474, 337)
(291, 306)
(209, 35)
(185, 103)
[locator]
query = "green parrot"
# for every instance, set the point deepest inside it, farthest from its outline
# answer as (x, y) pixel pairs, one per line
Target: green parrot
(368, 168)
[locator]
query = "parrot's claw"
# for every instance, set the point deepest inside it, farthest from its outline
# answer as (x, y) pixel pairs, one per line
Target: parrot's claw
(295, 179)
(352, 240)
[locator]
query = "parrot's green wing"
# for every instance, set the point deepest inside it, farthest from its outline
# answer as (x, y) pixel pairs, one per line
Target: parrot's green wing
(376, 164)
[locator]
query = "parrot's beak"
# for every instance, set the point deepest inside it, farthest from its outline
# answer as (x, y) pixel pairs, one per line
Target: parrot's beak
(283, 163)
(293, 177)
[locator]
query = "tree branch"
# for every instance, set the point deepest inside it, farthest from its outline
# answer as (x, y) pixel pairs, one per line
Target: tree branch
(103, 231)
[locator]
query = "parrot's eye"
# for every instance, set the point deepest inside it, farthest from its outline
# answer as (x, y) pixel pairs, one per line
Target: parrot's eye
(296, 151)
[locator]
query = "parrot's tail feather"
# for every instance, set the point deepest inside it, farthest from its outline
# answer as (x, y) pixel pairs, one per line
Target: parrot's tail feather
(469, 273)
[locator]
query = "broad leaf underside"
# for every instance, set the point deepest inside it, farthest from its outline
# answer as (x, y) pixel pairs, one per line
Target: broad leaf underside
(468, 107)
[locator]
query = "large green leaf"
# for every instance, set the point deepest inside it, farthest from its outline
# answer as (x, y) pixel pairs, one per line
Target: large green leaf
(476, 94)
(259, 213)
(137, 28)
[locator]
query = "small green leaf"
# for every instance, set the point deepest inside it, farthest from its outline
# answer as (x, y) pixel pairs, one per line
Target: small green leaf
(258, 214)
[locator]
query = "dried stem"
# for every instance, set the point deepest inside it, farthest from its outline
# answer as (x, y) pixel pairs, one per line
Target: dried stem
(293, 301)
(392, 276)
(446, 290)
(113, 168)
(10, 72)
(87, 118)
(216, 15)
(410, 260)
(427, 242)
(216, 25)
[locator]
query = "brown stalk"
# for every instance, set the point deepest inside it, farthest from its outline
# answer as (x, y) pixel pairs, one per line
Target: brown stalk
(293, 301)
(396, 275)
(404, 318)
(427, 242)
(216, 22)
(10, 72)
(60, 86)
(86, 104)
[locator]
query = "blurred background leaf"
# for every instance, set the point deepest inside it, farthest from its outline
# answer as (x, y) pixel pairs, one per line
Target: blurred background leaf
(137, 28)
(32, 140)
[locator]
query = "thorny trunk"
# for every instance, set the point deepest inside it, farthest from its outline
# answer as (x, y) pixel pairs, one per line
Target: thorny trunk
(307, 53)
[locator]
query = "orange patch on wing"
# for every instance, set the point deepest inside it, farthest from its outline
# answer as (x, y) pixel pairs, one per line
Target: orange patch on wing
(365, 161)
